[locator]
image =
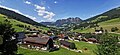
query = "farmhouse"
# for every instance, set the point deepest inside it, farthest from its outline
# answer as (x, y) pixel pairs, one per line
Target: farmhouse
(37, 42)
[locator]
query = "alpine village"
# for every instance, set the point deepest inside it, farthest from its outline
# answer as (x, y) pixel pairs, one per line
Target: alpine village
(97, 35)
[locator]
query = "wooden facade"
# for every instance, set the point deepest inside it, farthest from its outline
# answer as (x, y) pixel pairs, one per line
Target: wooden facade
(39, 42)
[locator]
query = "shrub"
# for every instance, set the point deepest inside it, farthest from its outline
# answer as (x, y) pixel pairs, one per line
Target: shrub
(114, 29)
(72, 46)
(108, 45)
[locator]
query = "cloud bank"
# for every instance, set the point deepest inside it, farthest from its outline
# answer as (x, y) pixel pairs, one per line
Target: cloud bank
(42, 12)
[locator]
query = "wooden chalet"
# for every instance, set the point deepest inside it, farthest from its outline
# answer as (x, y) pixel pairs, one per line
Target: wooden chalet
(39, 42)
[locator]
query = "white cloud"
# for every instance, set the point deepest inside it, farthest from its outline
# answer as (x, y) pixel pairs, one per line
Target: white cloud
(49, 15)
(27, 2)
(39, 7)
(17, 11)
(42, 12)
(55, 2)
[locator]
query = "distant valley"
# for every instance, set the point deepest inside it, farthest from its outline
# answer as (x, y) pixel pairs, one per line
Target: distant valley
(89, 25)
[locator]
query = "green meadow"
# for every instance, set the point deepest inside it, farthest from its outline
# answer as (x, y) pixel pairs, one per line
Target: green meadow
(62, 51)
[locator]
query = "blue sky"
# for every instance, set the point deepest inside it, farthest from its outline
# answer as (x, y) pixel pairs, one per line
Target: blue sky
(52, 10)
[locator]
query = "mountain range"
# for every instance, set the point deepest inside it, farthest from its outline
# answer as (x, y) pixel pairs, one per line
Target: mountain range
(61, 22)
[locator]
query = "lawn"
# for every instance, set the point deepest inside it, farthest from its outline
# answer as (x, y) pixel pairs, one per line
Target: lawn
(82, 45)
(63, 51)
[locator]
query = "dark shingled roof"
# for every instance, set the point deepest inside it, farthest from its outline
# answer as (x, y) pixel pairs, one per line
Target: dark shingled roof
(37, 40)
(20, 35)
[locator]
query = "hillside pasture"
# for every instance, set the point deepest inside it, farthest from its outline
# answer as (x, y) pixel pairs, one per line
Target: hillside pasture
(107, 25)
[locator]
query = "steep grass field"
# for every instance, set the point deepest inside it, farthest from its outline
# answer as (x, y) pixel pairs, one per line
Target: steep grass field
(17, 28)
(105, 25)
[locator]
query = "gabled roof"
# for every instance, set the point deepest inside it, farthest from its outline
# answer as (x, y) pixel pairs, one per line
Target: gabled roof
(20, 35)
(37, 40)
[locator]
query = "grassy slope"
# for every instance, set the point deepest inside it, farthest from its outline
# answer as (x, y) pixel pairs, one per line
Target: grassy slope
(62, 51)
(111, 23)
(82, 45)
(18, 29)
(106, 25)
